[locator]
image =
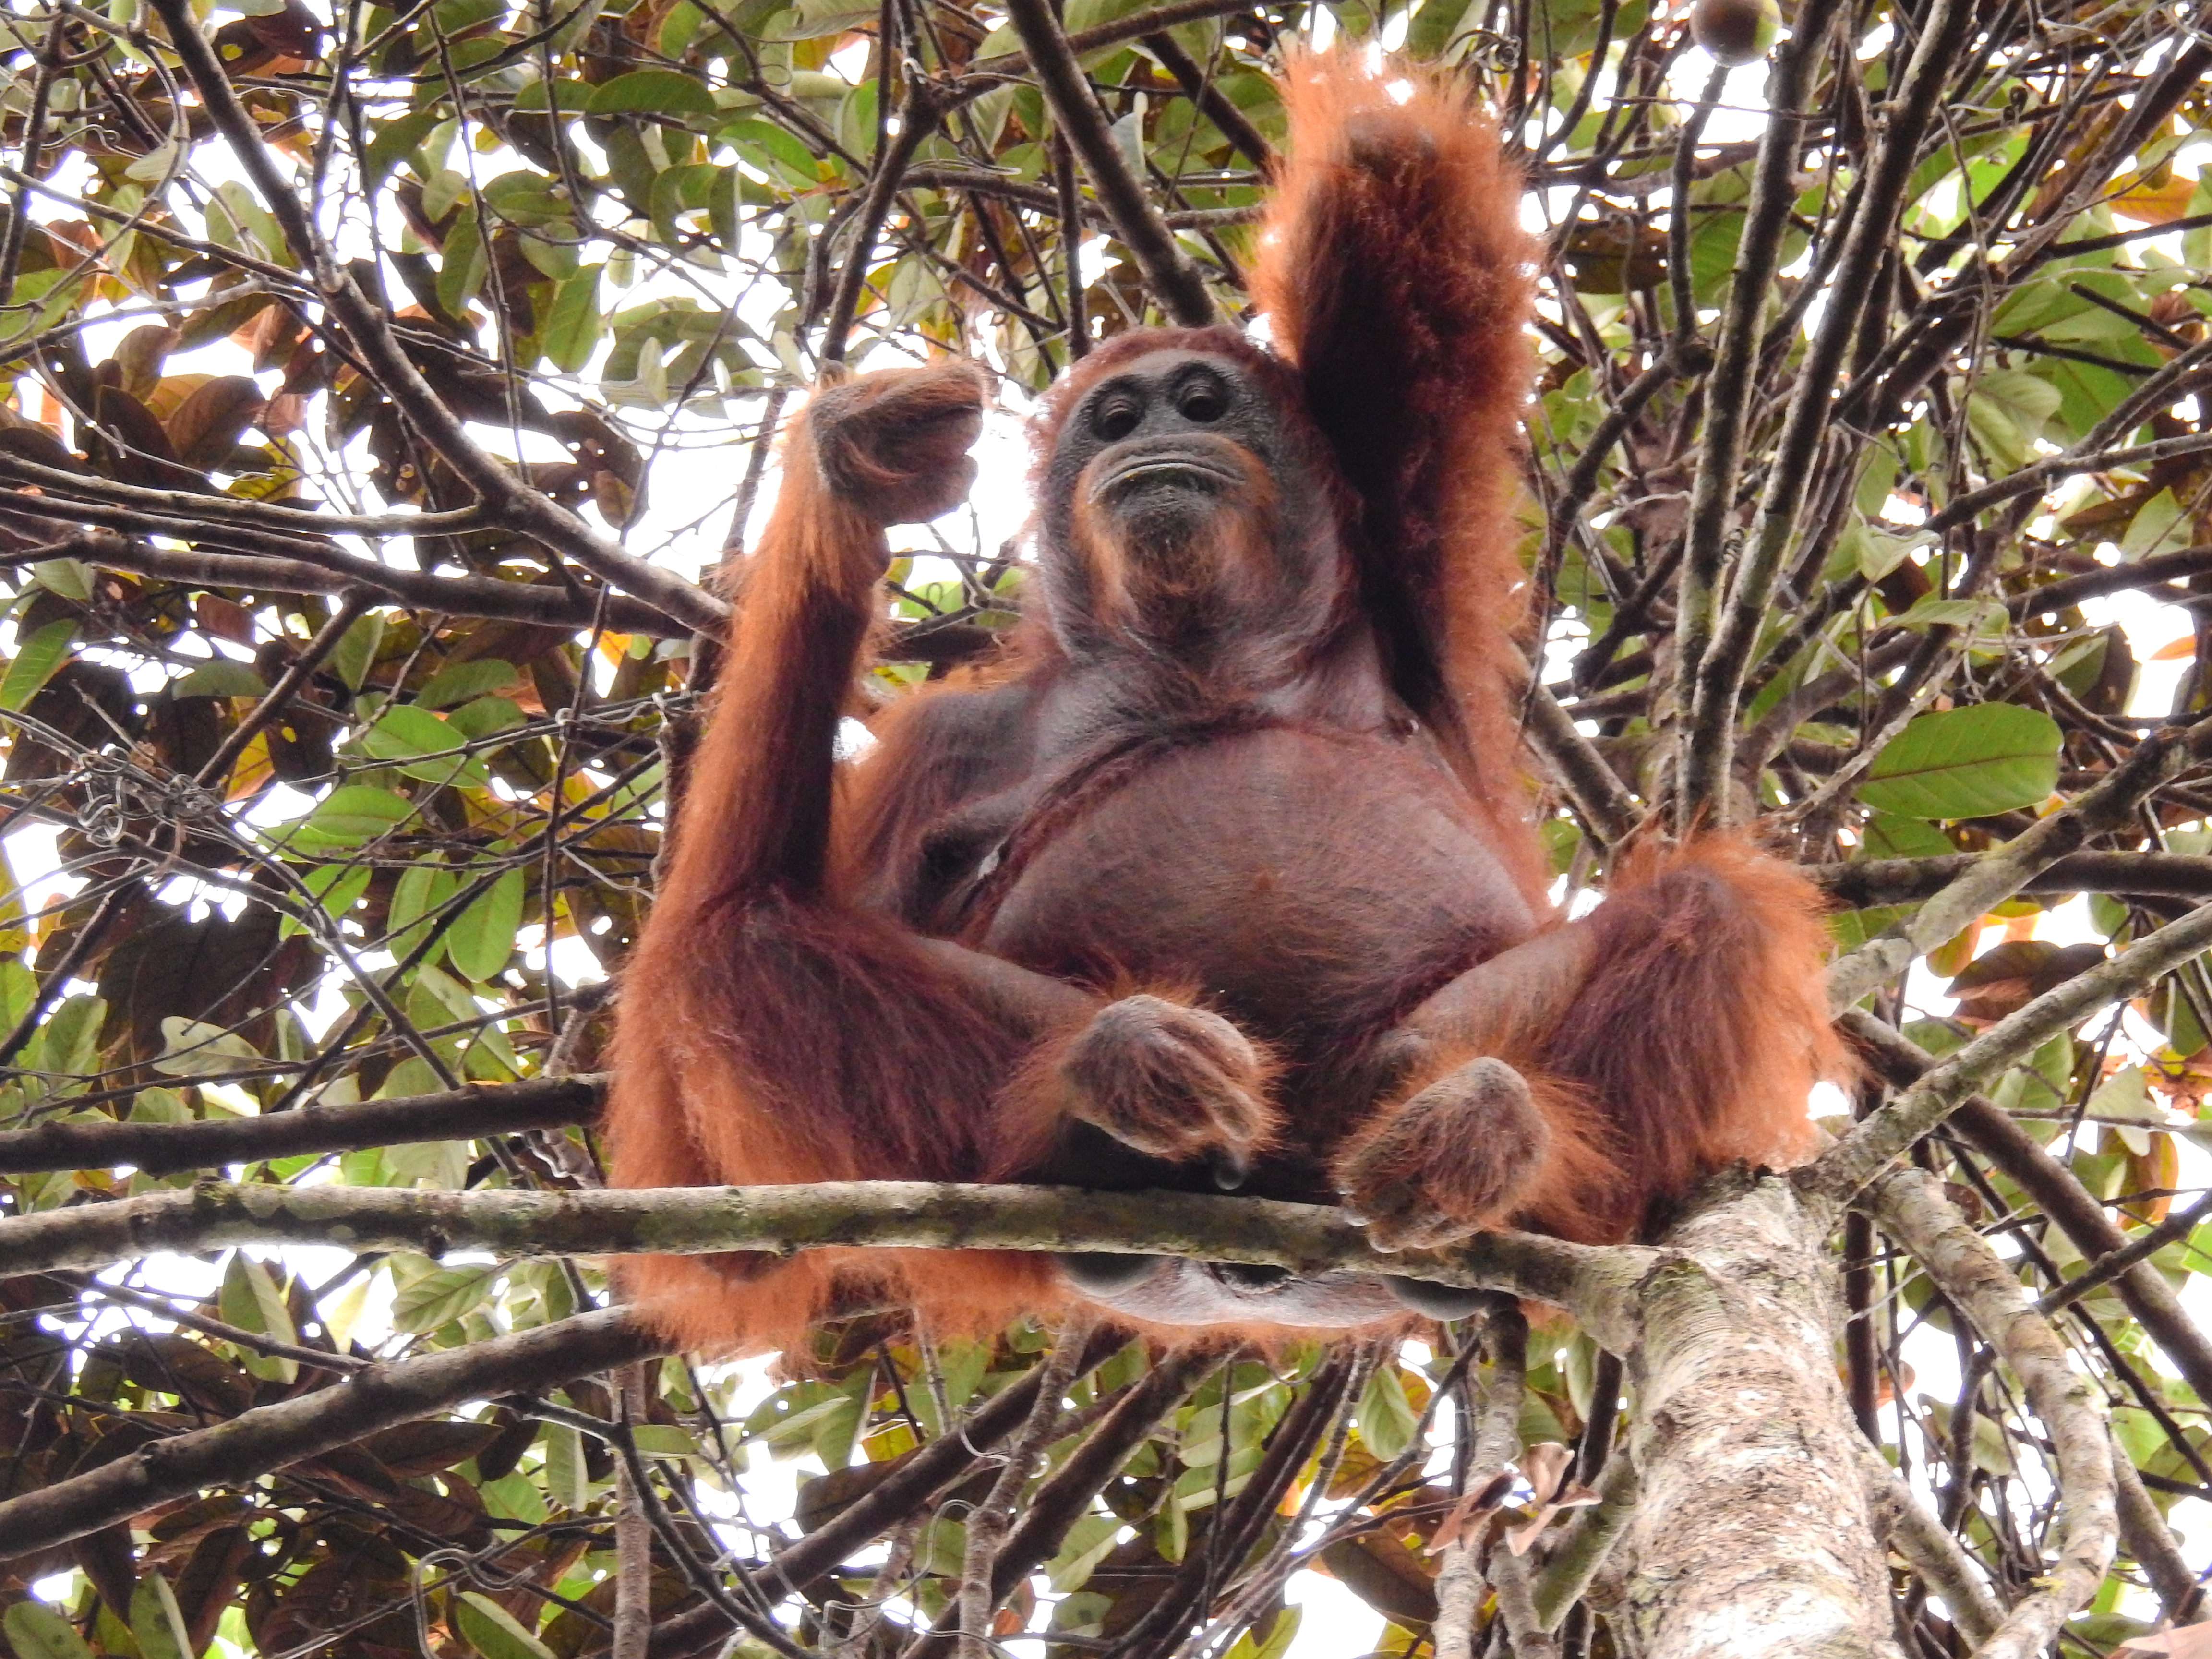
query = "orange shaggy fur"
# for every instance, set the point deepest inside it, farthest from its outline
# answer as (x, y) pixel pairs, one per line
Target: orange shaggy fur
(787, 1018)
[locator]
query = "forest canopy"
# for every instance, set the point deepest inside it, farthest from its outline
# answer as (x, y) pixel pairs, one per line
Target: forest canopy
(384, 383)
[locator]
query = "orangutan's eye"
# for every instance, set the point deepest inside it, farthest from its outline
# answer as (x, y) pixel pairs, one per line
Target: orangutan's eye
(1202, 401)
(1116, 416)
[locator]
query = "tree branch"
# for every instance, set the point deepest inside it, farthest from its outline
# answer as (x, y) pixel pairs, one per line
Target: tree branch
(1729, 390)
(2040, 475)
(1909, 881)
(1581, 773)
(1170, 273)
(902, 1491)
(279, 697)
(472, 1114)
(2149, 1543)
(1191, 76)
(2119, 578)
(1580, 1553)
(1997, 874)
(1754, 1513)
(1791, 468)
(1909, 1207)
(1589, 1280)
(335, 572)
(1014, 65)
(1890, 1133)
(269, 1437)
(1938, 1557)
(2056, 1191)
(60, 486)
(504, 494)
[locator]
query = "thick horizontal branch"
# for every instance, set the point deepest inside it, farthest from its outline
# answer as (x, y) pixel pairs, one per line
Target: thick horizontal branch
(2119, 578)
(271, 1437)
(1908, 881)
(1589, 1280)
(160, 1148)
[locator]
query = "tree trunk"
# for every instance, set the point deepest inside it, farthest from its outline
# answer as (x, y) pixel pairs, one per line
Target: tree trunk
(1754, 1534)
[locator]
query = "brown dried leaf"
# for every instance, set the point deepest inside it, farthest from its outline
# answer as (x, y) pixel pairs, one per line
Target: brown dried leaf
(1471, 1509)
(225, 618)
(1387, 1575)
(132, 442)
(207, 425)
(209, 1585)
(426, 1447)
(140, 354)
(1545, 1465)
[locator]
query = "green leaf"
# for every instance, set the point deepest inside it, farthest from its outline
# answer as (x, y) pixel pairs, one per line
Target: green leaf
(482, 937)
(1086, 1544)
(462, 269)
(1888, 836)
(1280, 1634)
(35, 1631)
(1434, 25)
(350, 815)
(420, 894)
(251, 1300)
(70, 1037)
(338, 887)
(1967, 764)
(663, 1440)
(571, 97)
(443, 1295)
(219, 676)
(191, 1049)
(458, 682)
(772, 149)
(811, 19)
(1386, 1416)
(486, 717)
(2007, 411)
(494, 1631)
(37, 661)
(573, 323)
(157, 1622)
(357, 652)
(567, 1481)
(70, 578)
(662, 91)
(405, 730)
(1969, 615)
(396, 139)
(525, 197)
(19, 986)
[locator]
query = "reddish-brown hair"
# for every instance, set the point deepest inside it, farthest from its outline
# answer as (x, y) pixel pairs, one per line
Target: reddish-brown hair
(1394, 274)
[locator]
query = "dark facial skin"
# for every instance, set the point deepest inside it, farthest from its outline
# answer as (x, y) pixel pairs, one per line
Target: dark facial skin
(1165, 396)
(1173, 507)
